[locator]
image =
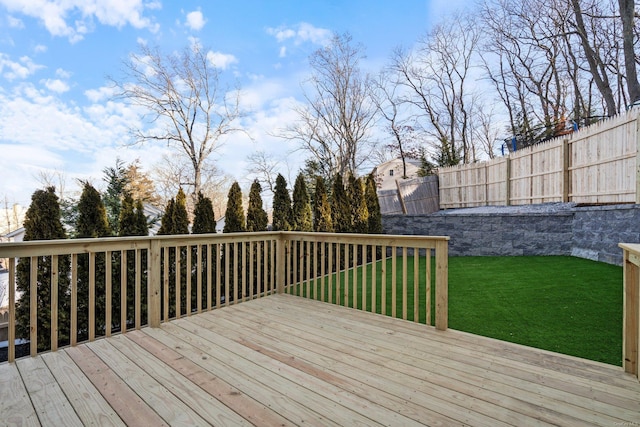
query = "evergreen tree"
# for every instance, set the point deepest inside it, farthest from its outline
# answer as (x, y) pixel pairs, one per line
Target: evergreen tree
(340, 207)
(132, 219)
(91, 223)
(92, 216)
(281, 206)
(142, 227)
(42, 222)
(166, 225)
(175, 219)
(117, 180)
(359, 211)
(257, 219)
(301, 212)
(180, 217)
(322, 221)
(204, 219)
(234, 216)
(373, 206)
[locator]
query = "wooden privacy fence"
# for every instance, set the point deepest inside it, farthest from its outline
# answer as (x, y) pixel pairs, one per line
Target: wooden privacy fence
(79, 289)
(598, 164)
(631, 309)
(412, 196)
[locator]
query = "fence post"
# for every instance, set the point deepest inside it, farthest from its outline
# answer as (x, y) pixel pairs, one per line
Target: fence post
(631, 309)
(566, 175)
(153, 284)
(638, 160)
(442, 284)
(280, 263)
(507, 182)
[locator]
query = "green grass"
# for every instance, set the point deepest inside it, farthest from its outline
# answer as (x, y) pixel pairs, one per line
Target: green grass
(563, 304)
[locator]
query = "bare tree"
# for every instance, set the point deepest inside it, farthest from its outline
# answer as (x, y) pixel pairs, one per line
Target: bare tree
(265, 167)
(627, 14)
(186, 105)
(335, 122)
(436, 74)
(399, 121)
(172, 173)
(597, 66)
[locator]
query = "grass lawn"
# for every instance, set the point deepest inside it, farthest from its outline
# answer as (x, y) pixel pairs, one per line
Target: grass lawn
(563, 304)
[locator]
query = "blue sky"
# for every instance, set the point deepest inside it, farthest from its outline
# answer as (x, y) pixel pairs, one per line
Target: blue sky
(55, 112)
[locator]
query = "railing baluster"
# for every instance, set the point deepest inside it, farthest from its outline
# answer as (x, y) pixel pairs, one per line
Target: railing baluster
(107, 293)
(138, 291)
(416, 285)
(74, 300)
(307, 273)
(199, 249)
(165, 280)
(354, 272)
(33, 306)
(178, 284)
(394, 281)
(316, 250)
(12, 311)
(374, 278)
(323, 261)
(428, 286)
(218, 274)
(188, 270)
(226, 274)
(346, 274)
(365, 285)
(92, 296)
(404, 283)
(383, 294)
(338, 278)
(54, 303)
(123, 291)
(330, 267)
(209, 276)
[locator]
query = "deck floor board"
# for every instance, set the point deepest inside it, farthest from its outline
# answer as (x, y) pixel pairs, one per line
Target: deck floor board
(284, 360)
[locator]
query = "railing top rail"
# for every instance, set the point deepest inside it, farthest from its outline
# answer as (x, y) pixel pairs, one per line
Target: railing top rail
(79, 246)
(631, 247)
(371, 239)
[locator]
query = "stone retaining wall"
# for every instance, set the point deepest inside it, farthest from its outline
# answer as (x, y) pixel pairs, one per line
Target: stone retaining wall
(588, 232)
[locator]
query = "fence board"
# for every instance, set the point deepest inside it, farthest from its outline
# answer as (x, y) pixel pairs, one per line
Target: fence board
(602, 167)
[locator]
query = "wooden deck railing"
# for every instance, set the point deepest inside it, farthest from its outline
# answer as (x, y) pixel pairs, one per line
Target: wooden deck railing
(631, 309)
(381, 274)
(81, 289)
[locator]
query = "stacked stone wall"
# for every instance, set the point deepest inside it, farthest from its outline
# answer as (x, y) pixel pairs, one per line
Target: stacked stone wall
(588, 232)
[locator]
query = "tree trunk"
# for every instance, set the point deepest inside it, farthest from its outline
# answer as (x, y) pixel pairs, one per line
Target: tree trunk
(627, 12)
(594, 61)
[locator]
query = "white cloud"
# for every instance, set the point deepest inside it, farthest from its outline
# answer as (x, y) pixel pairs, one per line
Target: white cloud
(15, 22)
(195, 20)
(300, 33)
(74, 18)
(283, 51)
(20, 69)
(221, 60)
(100, 94)
(55, 85)
(40, 48)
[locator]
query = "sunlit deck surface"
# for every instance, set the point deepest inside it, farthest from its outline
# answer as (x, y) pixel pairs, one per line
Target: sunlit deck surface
(285, 360)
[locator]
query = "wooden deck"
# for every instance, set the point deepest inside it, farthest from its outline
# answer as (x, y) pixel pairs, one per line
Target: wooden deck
(284, 360)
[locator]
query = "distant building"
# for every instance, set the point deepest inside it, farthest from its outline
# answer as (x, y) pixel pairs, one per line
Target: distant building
(387, 173)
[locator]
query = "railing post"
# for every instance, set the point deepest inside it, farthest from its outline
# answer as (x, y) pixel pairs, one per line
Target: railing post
(442, 284)
(280, 264)
(631, 309)
(153, 283)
